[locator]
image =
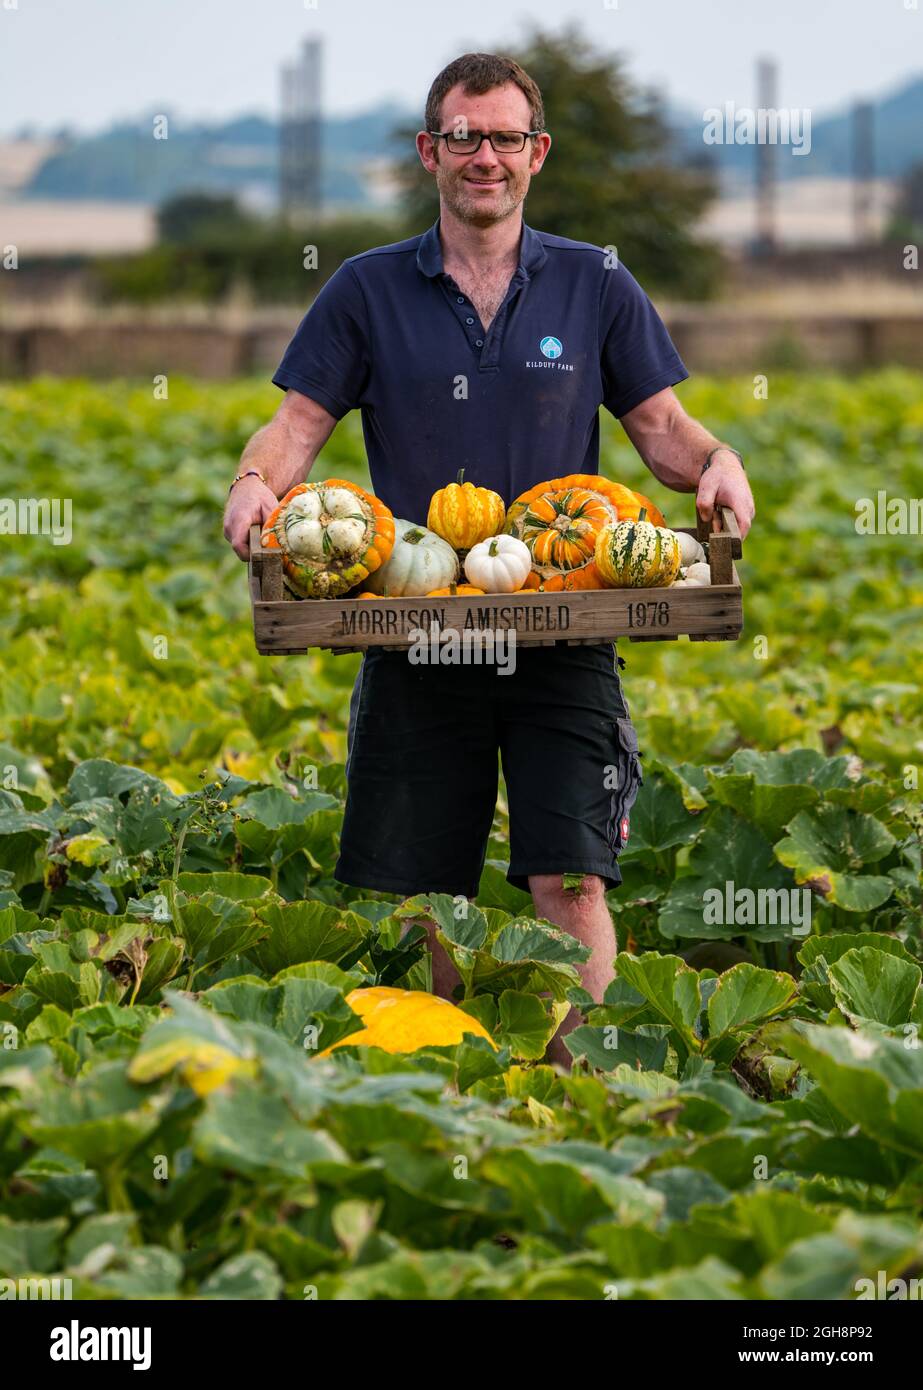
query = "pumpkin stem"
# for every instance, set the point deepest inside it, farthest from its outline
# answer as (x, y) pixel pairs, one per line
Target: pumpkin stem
(460, 477)
(412, 537)
(493, 547)
(642, 514)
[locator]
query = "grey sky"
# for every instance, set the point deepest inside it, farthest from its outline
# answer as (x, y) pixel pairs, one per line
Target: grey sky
(85, 62)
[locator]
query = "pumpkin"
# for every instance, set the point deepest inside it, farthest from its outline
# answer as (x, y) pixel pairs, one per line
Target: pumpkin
(637, 554)
(699, 573)
(419, 562)
(690, 550)
(463, 514)
(332, 535)
(456, 591)
(500, 565)
(402, 1020)
(559, 522)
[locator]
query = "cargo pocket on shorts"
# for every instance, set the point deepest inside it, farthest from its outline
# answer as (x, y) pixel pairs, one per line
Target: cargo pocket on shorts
(628, 781)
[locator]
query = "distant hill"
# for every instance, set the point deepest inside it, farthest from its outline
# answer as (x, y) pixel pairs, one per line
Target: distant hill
(239, 156)
(125, 163)
(898, 141)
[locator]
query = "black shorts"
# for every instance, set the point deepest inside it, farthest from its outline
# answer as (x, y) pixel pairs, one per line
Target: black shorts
(422, 769)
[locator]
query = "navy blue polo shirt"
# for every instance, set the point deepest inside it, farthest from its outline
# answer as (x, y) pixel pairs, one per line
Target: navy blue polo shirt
(392, 335)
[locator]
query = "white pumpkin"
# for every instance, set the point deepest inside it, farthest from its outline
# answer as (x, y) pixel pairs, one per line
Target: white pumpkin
(690, 551)
(699, 573)
(499, 565)
(420, 562)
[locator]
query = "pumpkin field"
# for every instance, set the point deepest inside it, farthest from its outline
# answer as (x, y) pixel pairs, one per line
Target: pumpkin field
(744, 1115)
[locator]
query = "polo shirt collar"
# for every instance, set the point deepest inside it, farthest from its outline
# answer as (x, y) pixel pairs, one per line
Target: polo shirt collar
(532, 253)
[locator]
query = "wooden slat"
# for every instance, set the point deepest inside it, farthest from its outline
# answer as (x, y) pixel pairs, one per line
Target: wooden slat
(599, 615)
(267, 564)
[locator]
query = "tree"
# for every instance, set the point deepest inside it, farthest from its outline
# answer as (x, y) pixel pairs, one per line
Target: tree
(609, 178)
(907, 220)
(191, 217)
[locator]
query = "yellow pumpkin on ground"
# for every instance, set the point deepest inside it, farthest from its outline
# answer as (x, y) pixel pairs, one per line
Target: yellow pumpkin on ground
(403, 1020)
(463, 514)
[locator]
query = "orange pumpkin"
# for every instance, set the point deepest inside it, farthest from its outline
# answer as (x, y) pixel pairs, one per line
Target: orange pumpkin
(332, 535)
(560, 520)
(455, 591)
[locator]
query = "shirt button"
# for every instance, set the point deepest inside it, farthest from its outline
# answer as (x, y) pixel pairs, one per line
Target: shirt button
(469, 320)
(479, 342)
(461, 299)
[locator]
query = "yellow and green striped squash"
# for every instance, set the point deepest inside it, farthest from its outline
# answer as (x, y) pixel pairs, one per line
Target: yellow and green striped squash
(637, 554)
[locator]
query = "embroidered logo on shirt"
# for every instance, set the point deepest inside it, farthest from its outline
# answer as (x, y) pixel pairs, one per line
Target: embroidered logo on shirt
(551, 347)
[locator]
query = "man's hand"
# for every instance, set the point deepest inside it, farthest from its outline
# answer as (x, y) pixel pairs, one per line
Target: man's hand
(249, 504)
(724, 484)
(674, 447)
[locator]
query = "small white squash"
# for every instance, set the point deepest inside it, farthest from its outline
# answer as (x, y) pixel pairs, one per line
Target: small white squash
(700, 573)
(690, 551)
(499, 565)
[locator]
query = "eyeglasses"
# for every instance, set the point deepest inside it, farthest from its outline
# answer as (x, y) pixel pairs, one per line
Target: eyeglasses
(501, 141)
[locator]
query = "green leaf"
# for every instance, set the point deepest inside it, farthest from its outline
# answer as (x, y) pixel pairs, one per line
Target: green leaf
(525, 1026)
(607, 1046)
(306, 931)
(771, 788)
(239, 888)
(251, 1276)
(870, 984)
(743, 998)
(876, 1082)
(256, 1135)
(832, 845)
(732, 852)
(494, 889)
(842, 1263)
(307, 1012)
(145, 1272)
(820, 952)
(669, 987)
(115, 1229)
(659, 821)
(30, 1247)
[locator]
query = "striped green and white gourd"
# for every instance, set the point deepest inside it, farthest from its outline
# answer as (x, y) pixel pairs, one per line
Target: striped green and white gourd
(637, 554)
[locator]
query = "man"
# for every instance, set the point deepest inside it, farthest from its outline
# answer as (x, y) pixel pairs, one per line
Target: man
(486, 345)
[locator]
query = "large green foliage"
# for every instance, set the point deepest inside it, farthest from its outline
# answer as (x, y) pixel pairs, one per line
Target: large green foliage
(174, 948)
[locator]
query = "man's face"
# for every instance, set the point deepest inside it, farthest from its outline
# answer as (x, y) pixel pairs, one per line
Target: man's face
(485, 187)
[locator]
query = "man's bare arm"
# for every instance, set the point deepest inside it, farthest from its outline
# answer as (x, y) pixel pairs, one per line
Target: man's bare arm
(674, 446)
(284, 451)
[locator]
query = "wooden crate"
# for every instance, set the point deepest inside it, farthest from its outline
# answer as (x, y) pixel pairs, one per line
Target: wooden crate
(285, 626)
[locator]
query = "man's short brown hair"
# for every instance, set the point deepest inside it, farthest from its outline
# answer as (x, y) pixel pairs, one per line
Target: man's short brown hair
(479, 73)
